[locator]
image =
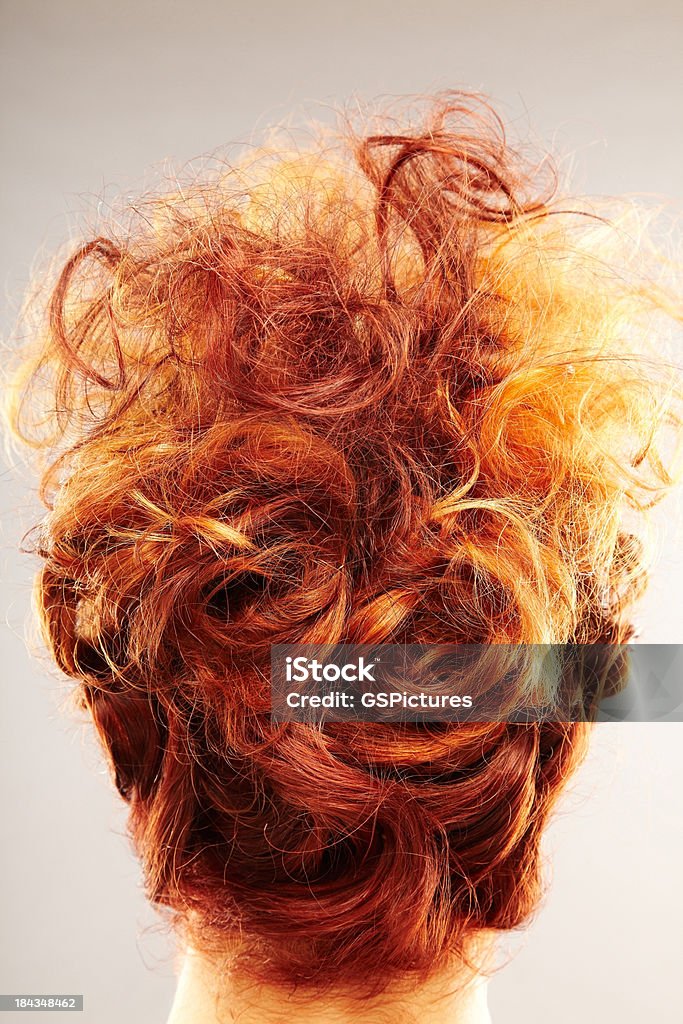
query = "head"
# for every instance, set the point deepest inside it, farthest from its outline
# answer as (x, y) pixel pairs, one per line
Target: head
(390, 385)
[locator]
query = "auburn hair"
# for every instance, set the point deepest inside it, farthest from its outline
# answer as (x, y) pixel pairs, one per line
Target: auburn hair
(385, 383)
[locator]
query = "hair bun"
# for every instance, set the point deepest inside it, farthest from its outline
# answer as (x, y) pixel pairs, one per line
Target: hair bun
(387, 387)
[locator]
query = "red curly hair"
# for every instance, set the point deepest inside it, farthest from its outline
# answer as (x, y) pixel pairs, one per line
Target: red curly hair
(384, 386)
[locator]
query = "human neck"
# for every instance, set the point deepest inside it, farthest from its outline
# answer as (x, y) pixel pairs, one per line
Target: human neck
(207, 996)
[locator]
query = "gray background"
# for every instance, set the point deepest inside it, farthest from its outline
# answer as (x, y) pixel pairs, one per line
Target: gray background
(93, 94)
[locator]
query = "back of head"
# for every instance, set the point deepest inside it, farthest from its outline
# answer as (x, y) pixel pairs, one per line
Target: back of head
(387, 386)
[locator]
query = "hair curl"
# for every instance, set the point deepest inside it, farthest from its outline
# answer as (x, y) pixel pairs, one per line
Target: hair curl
(385, 386)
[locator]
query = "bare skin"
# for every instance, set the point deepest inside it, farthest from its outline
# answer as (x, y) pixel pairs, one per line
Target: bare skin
(207, 996)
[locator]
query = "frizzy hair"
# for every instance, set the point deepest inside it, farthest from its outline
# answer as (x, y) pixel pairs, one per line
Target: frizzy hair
(389, 385)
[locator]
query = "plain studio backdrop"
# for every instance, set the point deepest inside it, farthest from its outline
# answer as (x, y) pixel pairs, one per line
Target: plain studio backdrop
(94, 95)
